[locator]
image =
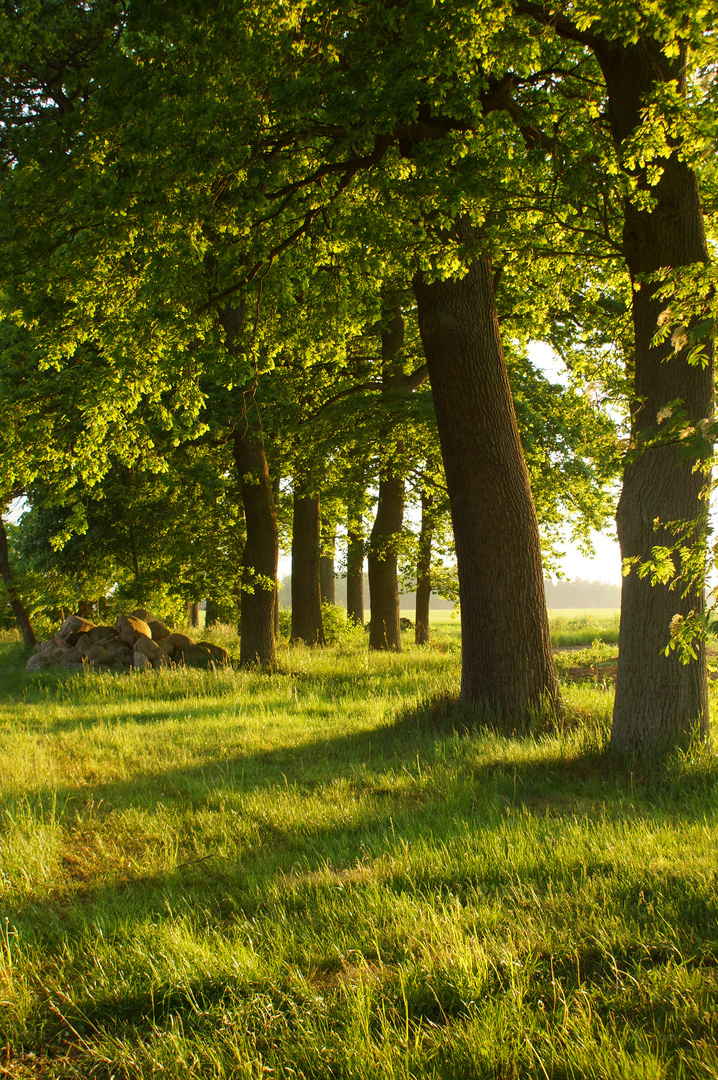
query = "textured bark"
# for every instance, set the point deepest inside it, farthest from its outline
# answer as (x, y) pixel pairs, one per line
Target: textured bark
(193, 613)
(423, 572)
(506, 649)
(355, 567)
(261, 550)
(385, 628)
(659, 701)
(306, 549)
(21, 616)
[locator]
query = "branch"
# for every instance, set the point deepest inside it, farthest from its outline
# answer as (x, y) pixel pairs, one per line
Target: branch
(560, 24)
(413, 381)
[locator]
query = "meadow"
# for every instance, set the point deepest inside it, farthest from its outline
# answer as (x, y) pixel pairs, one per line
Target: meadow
(331, 872)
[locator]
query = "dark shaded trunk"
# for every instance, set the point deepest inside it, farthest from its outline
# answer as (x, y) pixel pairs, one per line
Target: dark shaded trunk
(276, 483)
(86, 610)
(385, 628)
(659, 700)
(211, 613)
(306, 548)
(507, 660)
(193, 613)
(261, 550)
(423, 572)
(18, 608)
(355, 567)
(133, 550)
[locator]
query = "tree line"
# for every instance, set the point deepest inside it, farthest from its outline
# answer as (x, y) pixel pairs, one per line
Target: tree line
(224, 233)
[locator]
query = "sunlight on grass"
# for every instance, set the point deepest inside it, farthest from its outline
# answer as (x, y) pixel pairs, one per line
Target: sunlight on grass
(325, 871)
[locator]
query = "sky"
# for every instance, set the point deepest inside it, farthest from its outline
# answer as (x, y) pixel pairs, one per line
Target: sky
(606, 565)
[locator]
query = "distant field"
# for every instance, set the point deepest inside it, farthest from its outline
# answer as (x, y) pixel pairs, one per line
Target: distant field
(569, 626)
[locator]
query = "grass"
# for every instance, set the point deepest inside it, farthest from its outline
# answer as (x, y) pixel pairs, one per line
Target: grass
(325, 873)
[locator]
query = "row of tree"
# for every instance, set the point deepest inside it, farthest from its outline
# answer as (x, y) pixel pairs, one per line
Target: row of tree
(204, 218)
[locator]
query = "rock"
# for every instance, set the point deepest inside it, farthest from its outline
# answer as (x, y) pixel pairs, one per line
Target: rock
(129, 628)
(159, 630)
(141, 661)
(98, 655)
(101, 633)
(216, 651)
(61, 643)
(406, 624)
(37, 661)
(147, 646)
(162, 660)
(166, 646)
(197, 657)
(180, 642)
(71, 658)
(118, 651)
(73, 627)
(142, 613)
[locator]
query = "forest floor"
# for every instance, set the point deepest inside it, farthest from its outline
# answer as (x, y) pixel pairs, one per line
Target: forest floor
(328, 872)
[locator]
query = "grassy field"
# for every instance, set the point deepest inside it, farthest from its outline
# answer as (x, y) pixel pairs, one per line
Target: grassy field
(326, 873)
(569, 626)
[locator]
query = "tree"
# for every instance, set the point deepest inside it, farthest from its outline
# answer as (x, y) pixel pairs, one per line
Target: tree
(660, 700)
(422, 146)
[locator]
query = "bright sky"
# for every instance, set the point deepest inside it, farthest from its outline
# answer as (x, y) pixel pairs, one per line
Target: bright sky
(606, 565)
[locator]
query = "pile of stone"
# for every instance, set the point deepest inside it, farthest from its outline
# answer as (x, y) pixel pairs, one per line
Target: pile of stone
(138, 640)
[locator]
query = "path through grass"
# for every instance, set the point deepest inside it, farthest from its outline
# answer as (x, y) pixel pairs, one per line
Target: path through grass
(317, 874)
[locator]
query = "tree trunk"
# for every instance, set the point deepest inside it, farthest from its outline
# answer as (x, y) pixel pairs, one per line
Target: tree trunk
(306, 597)
(355, 567)
(211, 613)
(276, 486)
(385, 628)
(21, 616)
(193, 613)
(507, 660)
(261, 550)
(659, 701)
(423, 572)
(85, 609)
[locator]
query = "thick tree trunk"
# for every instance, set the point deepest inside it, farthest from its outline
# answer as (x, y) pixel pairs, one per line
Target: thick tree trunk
(306, 597)
(18, 608)
(423, 572)
(261, 550)
(506, 649)
(193, 613)
(355, 567)
(385, 628)
(659, 701)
